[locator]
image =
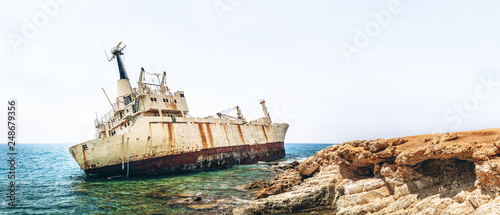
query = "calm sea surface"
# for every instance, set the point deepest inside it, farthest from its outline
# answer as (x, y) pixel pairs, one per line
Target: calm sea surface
(49, 181)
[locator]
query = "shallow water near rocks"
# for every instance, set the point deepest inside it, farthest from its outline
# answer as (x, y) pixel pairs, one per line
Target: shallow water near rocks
(49, 181)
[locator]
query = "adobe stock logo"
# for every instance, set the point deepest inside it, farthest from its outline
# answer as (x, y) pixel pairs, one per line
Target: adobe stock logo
(223, 7)
(373, 28)
(471, 103)
(31, 26)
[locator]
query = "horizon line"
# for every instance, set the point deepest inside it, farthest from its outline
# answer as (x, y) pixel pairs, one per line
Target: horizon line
(78, 143)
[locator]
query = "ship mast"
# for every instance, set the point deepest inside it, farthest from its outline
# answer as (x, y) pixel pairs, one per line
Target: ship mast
(124, 88)
(116, 52)
(264, 108)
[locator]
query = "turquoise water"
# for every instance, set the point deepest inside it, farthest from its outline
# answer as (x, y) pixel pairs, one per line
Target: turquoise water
(49, 181)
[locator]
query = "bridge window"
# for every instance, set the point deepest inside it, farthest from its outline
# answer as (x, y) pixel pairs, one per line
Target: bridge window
(182, 95)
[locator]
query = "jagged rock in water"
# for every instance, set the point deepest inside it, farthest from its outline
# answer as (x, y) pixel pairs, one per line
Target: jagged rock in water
(452, 173)
(288, 166)
(308, 167)
(159, 194)
(254, 185)
(272, 163)
(281, 183)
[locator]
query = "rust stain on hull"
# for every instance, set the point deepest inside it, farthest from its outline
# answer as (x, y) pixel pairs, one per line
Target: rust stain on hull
(209, 132)
(227, 136)
(170, 137)
(199, 160)
(171, 105)
(265, 135)
(202, 135)
(73, 154)
(241, 135)
(85, 162)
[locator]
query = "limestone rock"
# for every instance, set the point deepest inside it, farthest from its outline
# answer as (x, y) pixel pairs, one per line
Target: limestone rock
(451, 173)
(308, 167)
(254, 185)
(399, 141)
(281, 183)
(288, 166)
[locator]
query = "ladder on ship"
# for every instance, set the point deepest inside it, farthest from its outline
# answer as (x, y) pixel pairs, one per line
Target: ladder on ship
(136, 105)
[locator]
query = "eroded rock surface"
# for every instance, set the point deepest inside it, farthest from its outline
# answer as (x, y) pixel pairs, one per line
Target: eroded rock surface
(282, 182)
(452, 173)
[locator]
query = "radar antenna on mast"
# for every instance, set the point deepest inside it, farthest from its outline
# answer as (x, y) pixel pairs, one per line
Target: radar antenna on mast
(117, 51)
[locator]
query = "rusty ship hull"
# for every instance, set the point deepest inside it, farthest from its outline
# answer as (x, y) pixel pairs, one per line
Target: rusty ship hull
(149, 130)
(212, 158)
(195, 144)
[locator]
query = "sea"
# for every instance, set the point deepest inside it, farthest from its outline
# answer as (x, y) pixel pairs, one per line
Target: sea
(49, 181)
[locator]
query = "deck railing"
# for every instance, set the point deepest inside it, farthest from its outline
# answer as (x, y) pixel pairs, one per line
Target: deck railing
(108, 116)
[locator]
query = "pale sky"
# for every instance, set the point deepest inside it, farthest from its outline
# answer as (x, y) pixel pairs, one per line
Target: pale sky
(334, 70)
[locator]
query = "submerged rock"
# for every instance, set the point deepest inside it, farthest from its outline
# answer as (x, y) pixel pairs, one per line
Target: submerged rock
(288, 166)
(182, 200)
(282, 182)
(185, 195)
(203, 206)
(254, 185)
(160, 194)
(452, 173)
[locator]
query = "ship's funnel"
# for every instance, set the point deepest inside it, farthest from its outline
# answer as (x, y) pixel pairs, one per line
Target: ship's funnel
(124, 88)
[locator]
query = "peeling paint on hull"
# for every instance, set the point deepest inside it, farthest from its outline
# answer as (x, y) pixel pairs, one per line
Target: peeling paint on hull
(204, 159)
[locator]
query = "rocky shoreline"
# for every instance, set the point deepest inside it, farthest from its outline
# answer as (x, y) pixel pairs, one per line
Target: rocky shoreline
(452, 173)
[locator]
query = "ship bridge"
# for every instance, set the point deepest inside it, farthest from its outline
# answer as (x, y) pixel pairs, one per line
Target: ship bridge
(151, 98)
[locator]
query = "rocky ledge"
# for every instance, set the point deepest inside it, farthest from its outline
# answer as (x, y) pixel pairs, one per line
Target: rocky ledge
(452, 173)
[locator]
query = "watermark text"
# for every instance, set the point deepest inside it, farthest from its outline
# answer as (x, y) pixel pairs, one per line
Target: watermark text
(11, 153)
